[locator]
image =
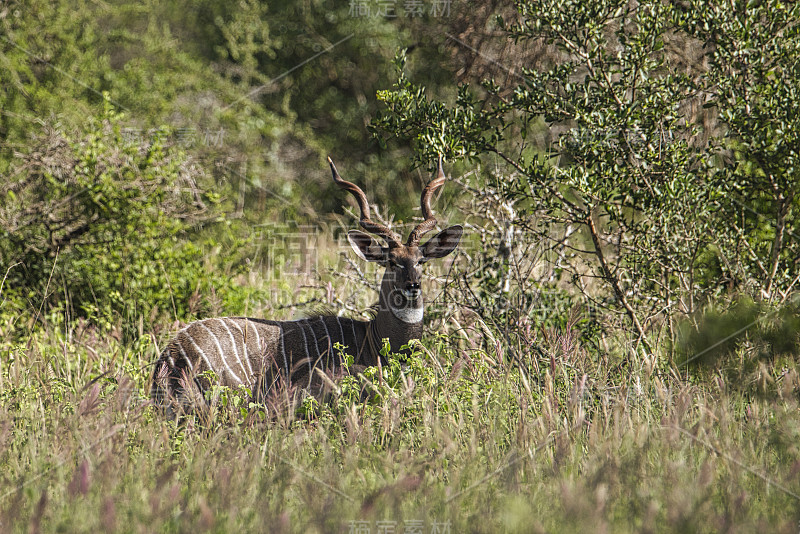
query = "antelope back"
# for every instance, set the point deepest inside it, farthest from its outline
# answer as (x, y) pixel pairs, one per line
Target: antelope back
(258, 354)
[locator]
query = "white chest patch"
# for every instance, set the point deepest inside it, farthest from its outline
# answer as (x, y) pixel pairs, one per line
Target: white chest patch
(408, 314)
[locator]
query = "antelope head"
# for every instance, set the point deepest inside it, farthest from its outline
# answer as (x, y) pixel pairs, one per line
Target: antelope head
(401, 291)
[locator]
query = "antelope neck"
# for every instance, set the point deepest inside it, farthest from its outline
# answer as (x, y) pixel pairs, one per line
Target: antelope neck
(409, 314)
(398, 324)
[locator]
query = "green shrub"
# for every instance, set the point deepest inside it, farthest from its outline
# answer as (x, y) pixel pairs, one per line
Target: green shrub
(649, 199)
(96, 225)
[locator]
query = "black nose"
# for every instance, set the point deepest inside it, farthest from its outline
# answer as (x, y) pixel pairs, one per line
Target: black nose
(412, 285)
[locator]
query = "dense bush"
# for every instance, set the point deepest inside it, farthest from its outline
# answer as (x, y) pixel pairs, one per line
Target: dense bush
(95, 225)
(646, 205)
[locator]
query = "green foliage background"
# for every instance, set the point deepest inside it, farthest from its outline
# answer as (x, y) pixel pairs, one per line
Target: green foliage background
(615, 346)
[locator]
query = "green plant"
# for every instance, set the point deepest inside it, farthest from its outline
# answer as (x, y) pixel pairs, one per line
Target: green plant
(107, 220)
(638, 201)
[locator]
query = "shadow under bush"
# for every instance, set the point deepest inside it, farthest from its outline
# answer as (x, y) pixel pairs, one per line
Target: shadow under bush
(738, 340)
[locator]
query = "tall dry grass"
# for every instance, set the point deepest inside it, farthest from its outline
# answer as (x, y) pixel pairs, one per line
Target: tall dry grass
(463, 437)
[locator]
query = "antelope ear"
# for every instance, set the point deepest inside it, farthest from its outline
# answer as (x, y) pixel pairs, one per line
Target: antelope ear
(442, 243)
(366, 247)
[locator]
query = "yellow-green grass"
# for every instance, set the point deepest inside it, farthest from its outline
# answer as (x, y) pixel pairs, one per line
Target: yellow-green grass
(459, 438)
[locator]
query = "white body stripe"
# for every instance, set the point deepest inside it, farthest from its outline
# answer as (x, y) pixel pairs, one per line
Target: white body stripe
(330, 341)
(341, 330)
(183, 354)
(261, 349)
(283, 351)
(305, 344)
(221, 354)
(201, 351)
(244, 344)
(235, 348)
